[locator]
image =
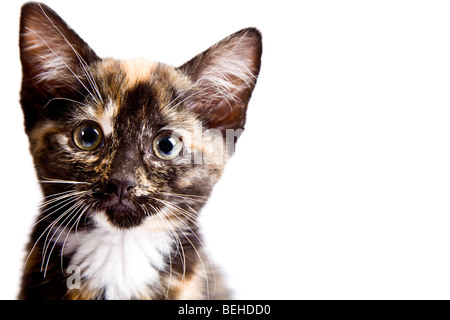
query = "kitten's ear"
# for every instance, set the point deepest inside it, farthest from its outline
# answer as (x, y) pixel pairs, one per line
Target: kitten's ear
(52, 54)
(224, 77)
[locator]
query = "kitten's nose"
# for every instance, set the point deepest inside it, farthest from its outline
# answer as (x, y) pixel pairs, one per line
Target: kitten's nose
(121, 187)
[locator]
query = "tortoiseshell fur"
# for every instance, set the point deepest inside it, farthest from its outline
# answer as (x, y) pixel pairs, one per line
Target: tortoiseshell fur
(65, 84)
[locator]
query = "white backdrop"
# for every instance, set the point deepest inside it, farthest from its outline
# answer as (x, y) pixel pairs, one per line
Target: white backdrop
(339, 188)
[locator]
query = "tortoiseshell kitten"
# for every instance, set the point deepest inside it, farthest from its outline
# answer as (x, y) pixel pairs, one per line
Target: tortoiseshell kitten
(127, 153)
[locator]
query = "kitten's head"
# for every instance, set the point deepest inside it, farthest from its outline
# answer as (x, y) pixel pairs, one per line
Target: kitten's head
(128, 141)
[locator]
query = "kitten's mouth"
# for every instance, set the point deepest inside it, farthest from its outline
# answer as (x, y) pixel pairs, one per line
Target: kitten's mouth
(123, 215)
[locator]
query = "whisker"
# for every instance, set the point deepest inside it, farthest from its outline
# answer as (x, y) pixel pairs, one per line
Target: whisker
(192, 197)
(58, 200)
(59, 203)
(190, 215)
(64, 99)
(61, 196)
(37, 241)
(185, 194)
(178, 242)
(49, 180)
(157, 223)
(174, 236)
(48, 241)
(194, 247)
(55, 197)
(72, 214)
(85, 208)
(76, 227)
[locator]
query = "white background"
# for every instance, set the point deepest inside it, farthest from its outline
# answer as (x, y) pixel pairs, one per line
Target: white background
(339, 188)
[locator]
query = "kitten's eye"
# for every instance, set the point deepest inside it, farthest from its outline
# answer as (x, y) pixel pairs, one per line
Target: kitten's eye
(87, 136)
(167, 146)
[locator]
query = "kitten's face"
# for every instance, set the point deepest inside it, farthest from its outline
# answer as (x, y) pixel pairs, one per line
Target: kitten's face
(130, 141)
(131, 144)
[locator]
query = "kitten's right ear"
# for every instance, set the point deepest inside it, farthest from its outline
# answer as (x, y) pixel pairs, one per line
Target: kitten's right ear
(53, 56)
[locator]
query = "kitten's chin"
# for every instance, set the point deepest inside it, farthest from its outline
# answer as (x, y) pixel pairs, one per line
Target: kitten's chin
(123, 217)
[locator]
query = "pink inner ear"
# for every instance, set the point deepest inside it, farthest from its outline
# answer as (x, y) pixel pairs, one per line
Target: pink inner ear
(230, 114)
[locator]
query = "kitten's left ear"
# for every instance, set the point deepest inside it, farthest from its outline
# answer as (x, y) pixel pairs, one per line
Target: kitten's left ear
(225, 76)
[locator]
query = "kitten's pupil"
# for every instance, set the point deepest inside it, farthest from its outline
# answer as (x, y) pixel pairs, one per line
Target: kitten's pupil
(166, 145)
(89, 136)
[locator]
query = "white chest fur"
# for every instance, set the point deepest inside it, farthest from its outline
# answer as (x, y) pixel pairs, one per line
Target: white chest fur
(124, 263)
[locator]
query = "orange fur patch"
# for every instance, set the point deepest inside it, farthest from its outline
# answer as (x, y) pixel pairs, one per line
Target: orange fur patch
(138, 70)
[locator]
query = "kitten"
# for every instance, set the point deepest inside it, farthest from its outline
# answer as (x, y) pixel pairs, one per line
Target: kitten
(127, 153)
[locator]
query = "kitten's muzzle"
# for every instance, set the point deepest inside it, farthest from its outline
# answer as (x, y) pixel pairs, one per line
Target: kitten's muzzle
(123, 216)
(118, 204)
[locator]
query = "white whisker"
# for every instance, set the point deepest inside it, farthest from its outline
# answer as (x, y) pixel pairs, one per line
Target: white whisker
(49, 180)
(47, 242)
(189, 217)
(65, 99)
(85, 208)
(59, 203)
